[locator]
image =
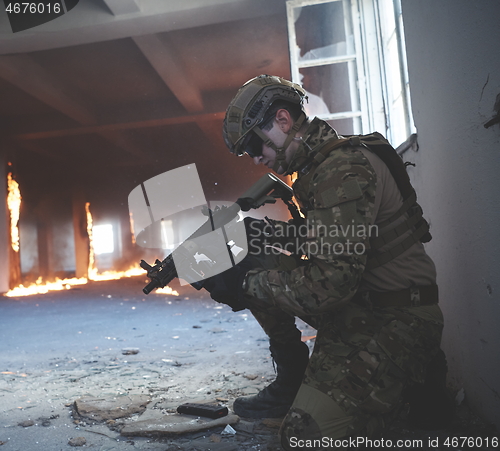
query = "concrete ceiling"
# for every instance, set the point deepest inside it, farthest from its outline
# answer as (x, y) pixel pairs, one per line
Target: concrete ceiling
(117, 91)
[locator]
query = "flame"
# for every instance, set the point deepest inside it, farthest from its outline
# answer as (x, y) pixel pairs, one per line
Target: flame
(93, 274)
(40, 287)
(166, 290)
(14, 205)
(90, 223)
(114, 275)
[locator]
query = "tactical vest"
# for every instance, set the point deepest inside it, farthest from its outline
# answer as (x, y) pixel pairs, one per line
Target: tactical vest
(415, 222)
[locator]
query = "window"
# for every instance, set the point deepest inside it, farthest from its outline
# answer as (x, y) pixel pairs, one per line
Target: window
(103, 239)
(349, 55)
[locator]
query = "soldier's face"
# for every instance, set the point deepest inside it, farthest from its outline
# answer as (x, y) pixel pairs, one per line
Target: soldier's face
(268, 157)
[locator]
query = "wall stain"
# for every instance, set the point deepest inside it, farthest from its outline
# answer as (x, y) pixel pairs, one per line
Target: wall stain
(484, 86)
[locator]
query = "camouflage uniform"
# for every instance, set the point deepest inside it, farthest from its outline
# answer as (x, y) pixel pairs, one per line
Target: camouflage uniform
(363, 356)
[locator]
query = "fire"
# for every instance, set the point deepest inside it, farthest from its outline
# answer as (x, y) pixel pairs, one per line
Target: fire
(40, 287)
(90, 223)
(14, 205)
(113, 275)
(166, 290)
(93, 274)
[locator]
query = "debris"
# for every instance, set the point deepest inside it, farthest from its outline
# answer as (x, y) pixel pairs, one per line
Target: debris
(251, 377)
(214, 438)
(99, 433)
(208, 410)
(172, 362)
(44, 421)
(245, 427)
(174, 425)
(228, 430)
(130, 351)
(77, 441)
(103, 409)
(26, 424)
(273, 423)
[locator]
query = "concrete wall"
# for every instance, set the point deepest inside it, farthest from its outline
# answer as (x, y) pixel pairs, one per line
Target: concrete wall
(47, 238)
(454, 67)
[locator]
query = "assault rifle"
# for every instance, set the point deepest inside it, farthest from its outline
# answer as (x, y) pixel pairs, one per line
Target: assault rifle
(266, 190)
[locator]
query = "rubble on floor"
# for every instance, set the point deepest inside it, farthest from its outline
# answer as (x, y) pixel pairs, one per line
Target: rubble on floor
(81, 369)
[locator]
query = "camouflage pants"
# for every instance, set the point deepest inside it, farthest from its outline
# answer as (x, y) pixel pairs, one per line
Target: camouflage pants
(362, 360)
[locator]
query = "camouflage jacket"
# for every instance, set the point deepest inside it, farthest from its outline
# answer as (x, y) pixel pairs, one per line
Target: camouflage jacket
(337, 197)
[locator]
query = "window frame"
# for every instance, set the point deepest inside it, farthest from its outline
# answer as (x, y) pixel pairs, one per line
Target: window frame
(371, 96)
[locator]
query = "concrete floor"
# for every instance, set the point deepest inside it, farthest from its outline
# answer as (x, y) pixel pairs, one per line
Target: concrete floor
(62, 346)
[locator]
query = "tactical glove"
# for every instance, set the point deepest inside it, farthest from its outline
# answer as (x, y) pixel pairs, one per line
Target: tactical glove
(227, 287)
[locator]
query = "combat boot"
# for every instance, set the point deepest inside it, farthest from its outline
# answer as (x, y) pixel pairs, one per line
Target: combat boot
(431, 405)
(276, 399)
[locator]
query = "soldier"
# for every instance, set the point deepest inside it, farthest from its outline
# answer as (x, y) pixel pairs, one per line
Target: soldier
(363, 279)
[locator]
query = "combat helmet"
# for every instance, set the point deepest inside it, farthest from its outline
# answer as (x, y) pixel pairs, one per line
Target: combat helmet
(247, 111)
